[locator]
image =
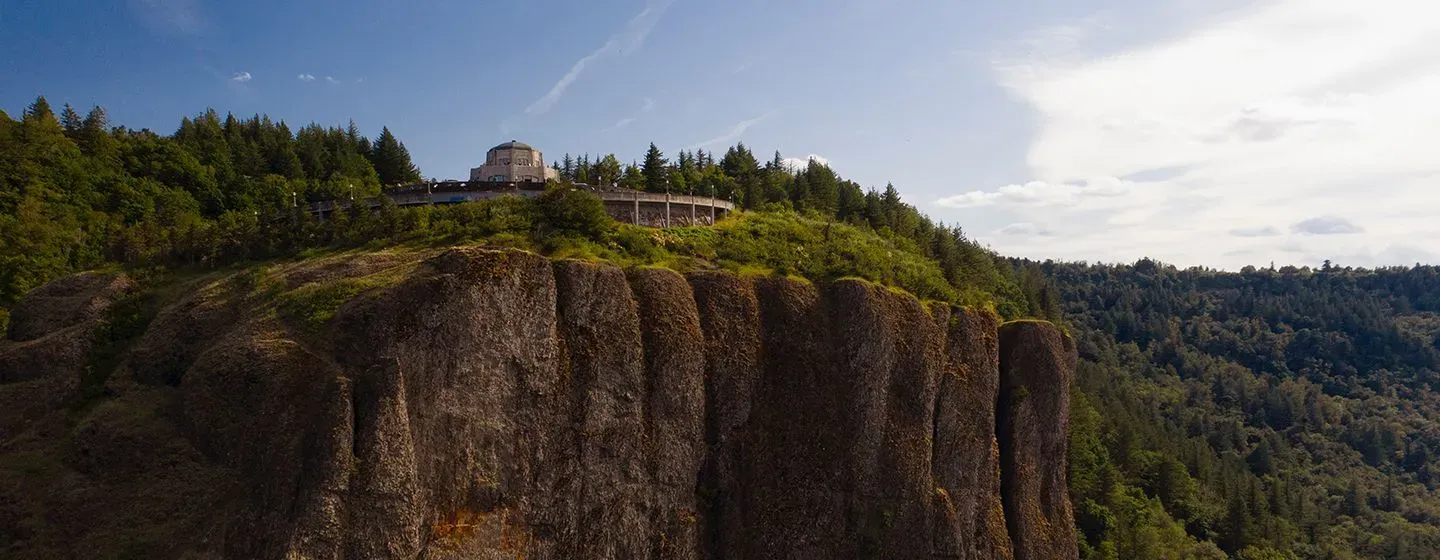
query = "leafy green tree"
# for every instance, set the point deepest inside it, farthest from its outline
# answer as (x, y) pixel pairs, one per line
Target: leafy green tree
(565, 210)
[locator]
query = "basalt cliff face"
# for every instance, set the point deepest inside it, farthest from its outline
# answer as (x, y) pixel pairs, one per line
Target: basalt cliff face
(497, 404)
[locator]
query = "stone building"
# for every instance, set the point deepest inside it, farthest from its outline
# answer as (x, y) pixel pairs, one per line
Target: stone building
(513, 162)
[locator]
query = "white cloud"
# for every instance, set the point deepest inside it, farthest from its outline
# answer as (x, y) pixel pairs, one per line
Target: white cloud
(1024, 229)
(1326, 225)
(797, 164)
(332, 79)
(1040, 193)
(627, 41)
(1277, 112)
(241, 77)
(735, 131)
(307, 77)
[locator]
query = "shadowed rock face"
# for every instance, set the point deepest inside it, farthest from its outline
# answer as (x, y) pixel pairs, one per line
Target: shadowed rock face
(496, 404)
(1037, 365)
(967, 455)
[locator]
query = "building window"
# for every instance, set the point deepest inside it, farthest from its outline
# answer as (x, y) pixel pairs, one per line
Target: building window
(497, 178)
(522, 162)
(505, 161)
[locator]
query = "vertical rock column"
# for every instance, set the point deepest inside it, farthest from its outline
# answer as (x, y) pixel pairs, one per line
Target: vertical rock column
(730, 318)
(675, 407)
(890, 352)
(1037, 364)
(600, 339)
(967, 456)
(458, 395)
(796, 445)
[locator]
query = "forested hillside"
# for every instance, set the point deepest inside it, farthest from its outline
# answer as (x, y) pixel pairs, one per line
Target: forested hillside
(1268, 414)
(77, 192)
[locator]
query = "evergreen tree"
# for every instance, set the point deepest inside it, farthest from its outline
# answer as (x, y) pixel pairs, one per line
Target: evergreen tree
(655, 171)
(392, 161)
(582, 170)
(70, 121)
(39, 110)
(567, 168)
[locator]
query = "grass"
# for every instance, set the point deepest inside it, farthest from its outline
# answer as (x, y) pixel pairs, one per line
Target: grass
(312, 305)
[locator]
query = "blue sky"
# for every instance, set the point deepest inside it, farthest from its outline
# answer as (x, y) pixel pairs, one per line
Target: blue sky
(1216, 133)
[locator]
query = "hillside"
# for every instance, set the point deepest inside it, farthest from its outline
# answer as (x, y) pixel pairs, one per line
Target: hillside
(1284, 413)
(78, 193)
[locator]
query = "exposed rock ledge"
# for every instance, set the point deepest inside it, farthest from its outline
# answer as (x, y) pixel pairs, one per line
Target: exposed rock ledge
(496, 404)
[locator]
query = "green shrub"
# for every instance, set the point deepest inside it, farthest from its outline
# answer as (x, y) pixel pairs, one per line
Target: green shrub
(566, 210)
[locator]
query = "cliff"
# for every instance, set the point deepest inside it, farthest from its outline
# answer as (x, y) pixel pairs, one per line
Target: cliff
(496, 404)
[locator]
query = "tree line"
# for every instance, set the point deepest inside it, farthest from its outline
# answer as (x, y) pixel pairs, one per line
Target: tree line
(77, 192)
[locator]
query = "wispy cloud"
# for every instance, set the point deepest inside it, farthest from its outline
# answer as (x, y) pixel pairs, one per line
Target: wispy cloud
(241, 77)
(626, 121)
(1025, 229)
(1326, 225)
(735, 131)
(307, 77)
(627, 41)
(171, 16)
(332, 79)
(1041, 193)
(1265, 231)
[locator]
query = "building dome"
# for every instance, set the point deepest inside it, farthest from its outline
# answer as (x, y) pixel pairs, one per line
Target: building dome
(513, 162)
(513, 145)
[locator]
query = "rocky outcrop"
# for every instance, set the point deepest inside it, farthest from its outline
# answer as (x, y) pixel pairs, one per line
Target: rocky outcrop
(496, 404)
(52, 333)
(966, 453)
(1037, 364)
(82, 299)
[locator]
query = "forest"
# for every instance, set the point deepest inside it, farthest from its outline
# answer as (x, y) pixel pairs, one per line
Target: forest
(78, 192)
(1265, 414)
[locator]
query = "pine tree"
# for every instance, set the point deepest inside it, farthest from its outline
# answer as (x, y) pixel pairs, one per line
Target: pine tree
(392, 161)
(70, 120)
(654, 170)
(96, 121)
(582, 170)
(39, 110)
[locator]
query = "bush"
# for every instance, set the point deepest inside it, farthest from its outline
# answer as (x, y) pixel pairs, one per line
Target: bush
(565, 210)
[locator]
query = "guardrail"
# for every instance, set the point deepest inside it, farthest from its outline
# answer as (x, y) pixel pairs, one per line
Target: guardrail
(651, 201)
